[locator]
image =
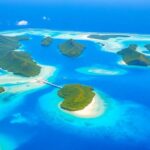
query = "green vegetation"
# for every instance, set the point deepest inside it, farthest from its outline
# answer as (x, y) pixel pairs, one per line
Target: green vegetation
(71, 48)
(76, 96)
(133, 57)
(18, 62)
(2, 89)
(8, 44)
(106, 37)
(147, 46)
(46, 41)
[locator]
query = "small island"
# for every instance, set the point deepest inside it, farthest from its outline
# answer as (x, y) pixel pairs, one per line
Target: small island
(18, 62)
(76, 96)
(147, 46)
(46, 41)
(106, 37)
(71, 48)
(2, 90)
(131, 56)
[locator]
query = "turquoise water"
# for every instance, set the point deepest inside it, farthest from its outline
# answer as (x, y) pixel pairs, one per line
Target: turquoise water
(33, 120)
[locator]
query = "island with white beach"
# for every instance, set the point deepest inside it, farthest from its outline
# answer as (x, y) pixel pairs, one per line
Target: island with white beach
(81, 101)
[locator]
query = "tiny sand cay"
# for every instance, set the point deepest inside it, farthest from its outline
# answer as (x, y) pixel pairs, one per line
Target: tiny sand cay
(81, 101)
(100, 71)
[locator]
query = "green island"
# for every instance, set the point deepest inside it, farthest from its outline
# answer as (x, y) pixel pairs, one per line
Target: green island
(147, 46)
(2, 90)
(132, 57)
(46, 41)
(76, 96)
(18, 62)
(71, 48)
(106, 37)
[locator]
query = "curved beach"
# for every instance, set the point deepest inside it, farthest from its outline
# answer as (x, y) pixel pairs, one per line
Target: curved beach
(94, 109)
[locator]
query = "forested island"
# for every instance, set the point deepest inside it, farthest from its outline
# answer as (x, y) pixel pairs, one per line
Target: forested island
(18, 62)
(106, 37)
(8, 43)
(46, 41)
(71, 48)
(2, 90)
(131, 56)
(76, 96)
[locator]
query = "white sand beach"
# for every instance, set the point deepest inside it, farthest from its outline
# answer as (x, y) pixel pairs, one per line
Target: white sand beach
(121, 62)
(20, 84)
(94, 109)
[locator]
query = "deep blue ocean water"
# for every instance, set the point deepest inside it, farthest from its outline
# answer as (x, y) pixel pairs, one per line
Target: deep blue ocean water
(126, 123)
(77, 17)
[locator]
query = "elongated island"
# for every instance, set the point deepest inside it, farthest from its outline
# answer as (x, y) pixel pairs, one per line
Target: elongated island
(106, 37)
(81, 101)
(18, 62)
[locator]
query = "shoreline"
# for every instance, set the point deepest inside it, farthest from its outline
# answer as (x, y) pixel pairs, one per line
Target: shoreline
(95, 109)
(21, 84)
